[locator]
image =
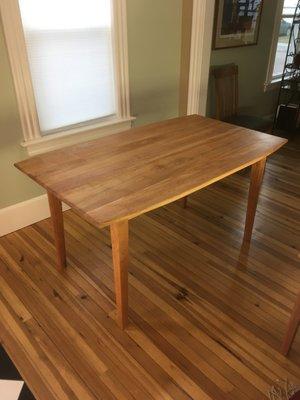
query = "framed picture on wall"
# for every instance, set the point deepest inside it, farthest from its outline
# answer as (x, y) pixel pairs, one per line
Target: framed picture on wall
(236, 23)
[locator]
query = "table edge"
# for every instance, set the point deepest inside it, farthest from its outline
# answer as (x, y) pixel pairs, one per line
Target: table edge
(168, 200)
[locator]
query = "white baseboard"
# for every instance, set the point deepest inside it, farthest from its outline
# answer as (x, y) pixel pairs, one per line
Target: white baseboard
(269, 117)
(25, 213)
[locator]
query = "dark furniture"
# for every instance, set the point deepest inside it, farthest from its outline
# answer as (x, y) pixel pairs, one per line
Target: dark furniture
(227, 99)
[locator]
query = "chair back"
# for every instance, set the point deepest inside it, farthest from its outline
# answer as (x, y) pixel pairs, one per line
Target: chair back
(226, 86)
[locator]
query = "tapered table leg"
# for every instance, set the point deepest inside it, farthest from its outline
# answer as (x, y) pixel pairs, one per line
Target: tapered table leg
(58, 230)
(184, 201)
(292, 327)
(257, 174)
(119, 241)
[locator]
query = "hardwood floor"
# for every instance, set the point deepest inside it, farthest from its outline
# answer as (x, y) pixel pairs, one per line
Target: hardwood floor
(206, 321)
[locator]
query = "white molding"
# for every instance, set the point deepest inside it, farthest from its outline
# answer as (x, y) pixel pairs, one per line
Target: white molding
(77, 135)
(268, 117)
(16, 46)
(25, 213)
(273, 85)
(268, 84)
(201, 39)
(121, 57)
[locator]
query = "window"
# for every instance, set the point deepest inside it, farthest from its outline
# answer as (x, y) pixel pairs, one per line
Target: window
(281, 35)
(69, 62)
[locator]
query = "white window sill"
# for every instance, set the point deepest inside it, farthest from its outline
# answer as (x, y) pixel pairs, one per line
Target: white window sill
(274, 84)
(76, 135)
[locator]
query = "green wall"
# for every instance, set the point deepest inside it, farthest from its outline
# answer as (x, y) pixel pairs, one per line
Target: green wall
(15, 187)
(253, 64)
(154, 39)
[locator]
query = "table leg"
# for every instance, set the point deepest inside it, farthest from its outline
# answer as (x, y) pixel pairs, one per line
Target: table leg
(257, 174)
(292, 327)
(58, 230)
(119, 241)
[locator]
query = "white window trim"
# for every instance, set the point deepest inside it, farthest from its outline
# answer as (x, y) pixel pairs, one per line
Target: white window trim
(274, 83)
(33, 140)
(200, 53)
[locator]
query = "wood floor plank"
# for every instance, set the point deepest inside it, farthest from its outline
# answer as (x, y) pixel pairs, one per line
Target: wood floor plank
(24, 364)
(47, 372)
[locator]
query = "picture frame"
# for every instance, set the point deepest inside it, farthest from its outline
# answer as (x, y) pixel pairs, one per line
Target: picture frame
(237, 23)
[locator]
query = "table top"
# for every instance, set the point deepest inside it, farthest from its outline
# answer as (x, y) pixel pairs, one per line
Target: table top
(123, 175)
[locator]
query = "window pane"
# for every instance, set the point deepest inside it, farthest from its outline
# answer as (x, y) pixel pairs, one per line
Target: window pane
(289, 7)
(282, 45)
(69, 45)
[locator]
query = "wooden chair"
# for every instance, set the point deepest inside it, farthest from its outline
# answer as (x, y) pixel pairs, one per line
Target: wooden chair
(292, 327)
(227, 99)
(227, 92)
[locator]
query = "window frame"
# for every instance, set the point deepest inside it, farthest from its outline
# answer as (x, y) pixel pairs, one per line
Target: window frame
(271, 81)
(34, 141)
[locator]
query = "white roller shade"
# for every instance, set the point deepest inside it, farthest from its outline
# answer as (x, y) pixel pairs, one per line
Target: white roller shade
(70, 52)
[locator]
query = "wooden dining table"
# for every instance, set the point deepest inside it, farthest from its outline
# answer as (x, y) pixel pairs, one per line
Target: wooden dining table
(110, 180)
